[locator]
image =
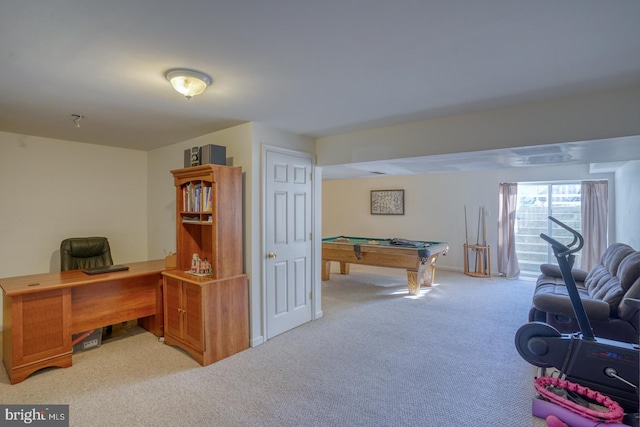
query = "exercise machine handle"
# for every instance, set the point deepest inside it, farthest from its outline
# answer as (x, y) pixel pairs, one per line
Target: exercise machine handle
(561, 249)
(565, 257)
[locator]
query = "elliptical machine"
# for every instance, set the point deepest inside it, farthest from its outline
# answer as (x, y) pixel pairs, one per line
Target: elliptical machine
(608, 366)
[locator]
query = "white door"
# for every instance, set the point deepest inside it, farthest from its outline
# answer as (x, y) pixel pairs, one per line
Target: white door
(288, 243)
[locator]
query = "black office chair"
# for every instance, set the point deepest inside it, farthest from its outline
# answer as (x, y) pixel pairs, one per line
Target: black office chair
(85, 252)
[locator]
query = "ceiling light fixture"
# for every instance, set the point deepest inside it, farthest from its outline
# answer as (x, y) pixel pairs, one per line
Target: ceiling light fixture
(188, 82)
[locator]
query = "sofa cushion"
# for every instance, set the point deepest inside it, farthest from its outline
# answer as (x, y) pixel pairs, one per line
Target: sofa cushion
(552, 298)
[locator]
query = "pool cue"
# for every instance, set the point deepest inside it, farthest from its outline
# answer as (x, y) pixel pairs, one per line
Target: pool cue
(466, 238)
(484, 239)
(478, 238)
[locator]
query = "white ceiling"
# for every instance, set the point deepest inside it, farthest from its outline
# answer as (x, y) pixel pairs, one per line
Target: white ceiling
(311, 68)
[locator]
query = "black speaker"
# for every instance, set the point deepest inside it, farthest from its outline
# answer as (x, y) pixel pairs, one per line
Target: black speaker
(192, 157)
(214, 154)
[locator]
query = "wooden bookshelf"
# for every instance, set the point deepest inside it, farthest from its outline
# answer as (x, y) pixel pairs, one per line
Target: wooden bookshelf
(207, 315)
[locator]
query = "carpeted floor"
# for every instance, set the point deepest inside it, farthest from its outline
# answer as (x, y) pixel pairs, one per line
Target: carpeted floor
(378, 357)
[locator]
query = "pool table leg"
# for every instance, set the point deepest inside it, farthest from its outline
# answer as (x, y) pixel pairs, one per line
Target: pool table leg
(424, 276)
(344, 267)
(413, 282)
(326, 270)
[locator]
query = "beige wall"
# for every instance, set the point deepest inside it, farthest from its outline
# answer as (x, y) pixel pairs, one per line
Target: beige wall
(583, 118)
(52, 189)
(244, 147)
(434, 206)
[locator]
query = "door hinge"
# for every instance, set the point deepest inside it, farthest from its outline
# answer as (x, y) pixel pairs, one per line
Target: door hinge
(310, 236)
(311, 176)
(311, 295)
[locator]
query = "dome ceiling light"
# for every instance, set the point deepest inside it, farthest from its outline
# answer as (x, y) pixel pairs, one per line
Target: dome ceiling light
(188, 82)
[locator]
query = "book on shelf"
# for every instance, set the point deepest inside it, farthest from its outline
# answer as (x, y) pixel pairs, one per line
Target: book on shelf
(197, 197)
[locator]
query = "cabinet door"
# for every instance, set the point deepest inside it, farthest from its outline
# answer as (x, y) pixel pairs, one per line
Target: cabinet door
(172, 307)
(193, 319)
(41, 325)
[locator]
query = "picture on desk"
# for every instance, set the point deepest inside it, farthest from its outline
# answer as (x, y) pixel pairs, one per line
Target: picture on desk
(387, 202)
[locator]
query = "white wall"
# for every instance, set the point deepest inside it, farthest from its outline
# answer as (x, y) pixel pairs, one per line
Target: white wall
(53, 189)
(434, 206)
(628, 204)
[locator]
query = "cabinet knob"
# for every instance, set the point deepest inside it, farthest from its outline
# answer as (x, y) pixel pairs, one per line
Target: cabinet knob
(271, 255)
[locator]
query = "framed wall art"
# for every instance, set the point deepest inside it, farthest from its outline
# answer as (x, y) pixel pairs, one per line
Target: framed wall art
(387, 202)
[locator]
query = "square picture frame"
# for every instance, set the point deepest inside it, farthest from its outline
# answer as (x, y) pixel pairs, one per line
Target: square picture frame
(387, 202)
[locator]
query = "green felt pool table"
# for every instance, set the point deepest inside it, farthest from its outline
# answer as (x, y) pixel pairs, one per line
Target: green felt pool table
(417, 257)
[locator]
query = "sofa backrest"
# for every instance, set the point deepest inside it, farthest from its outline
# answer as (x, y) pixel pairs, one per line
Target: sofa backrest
(607, 281)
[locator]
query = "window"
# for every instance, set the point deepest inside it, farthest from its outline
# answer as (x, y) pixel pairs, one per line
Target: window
(536, 202)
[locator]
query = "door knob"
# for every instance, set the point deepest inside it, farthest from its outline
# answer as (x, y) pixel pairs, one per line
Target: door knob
(271, 255)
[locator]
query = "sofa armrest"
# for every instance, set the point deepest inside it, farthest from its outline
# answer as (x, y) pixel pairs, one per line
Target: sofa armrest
(554, 303)
(552, 270)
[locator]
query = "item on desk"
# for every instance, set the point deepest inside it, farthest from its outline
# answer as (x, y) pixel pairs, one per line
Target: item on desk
(105, 269)
(372, 242)
(171, 261)
(342, 239)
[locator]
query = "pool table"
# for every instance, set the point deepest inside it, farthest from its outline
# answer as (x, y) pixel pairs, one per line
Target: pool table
(417, 257)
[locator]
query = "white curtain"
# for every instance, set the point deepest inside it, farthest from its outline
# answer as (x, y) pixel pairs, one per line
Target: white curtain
(594, 196)
(507, 259)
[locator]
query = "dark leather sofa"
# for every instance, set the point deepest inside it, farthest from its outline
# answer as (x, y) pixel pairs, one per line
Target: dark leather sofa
(603, 291)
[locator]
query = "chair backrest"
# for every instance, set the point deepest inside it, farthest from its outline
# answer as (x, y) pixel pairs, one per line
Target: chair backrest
(84, 252)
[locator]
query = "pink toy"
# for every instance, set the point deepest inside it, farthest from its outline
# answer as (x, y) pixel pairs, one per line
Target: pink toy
(553, 421)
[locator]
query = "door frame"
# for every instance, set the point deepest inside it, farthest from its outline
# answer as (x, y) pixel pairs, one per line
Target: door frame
(316, 246)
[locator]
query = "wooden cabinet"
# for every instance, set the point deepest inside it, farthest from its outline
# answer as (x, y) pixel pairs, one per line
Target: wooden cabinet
(209, 319)
(183, 311)
(207, 315)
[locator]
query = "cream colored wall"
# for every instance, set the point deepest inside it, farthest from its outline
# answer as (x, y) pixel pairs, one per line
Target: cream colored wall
(53, 189)
(161, 192)
(244, 144)
(627, 197)
(434, 206)
(582, 118)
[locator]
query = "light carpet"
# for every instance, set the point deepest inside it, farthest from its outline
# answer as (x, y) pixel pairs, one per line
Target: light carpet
(378, 357)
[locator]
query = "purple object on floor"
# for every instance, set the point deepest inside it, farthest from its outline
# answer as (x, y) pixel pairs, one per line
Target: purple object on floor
(542, 408)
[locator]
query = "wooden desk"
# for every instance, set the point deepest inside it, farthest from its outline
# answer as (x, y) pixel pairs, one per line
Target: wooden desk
(42, 311)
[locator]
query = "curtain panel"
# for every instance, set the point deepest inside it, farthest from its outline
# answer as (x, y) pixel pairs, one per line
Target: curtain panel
(594, 210)
(507, 259)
